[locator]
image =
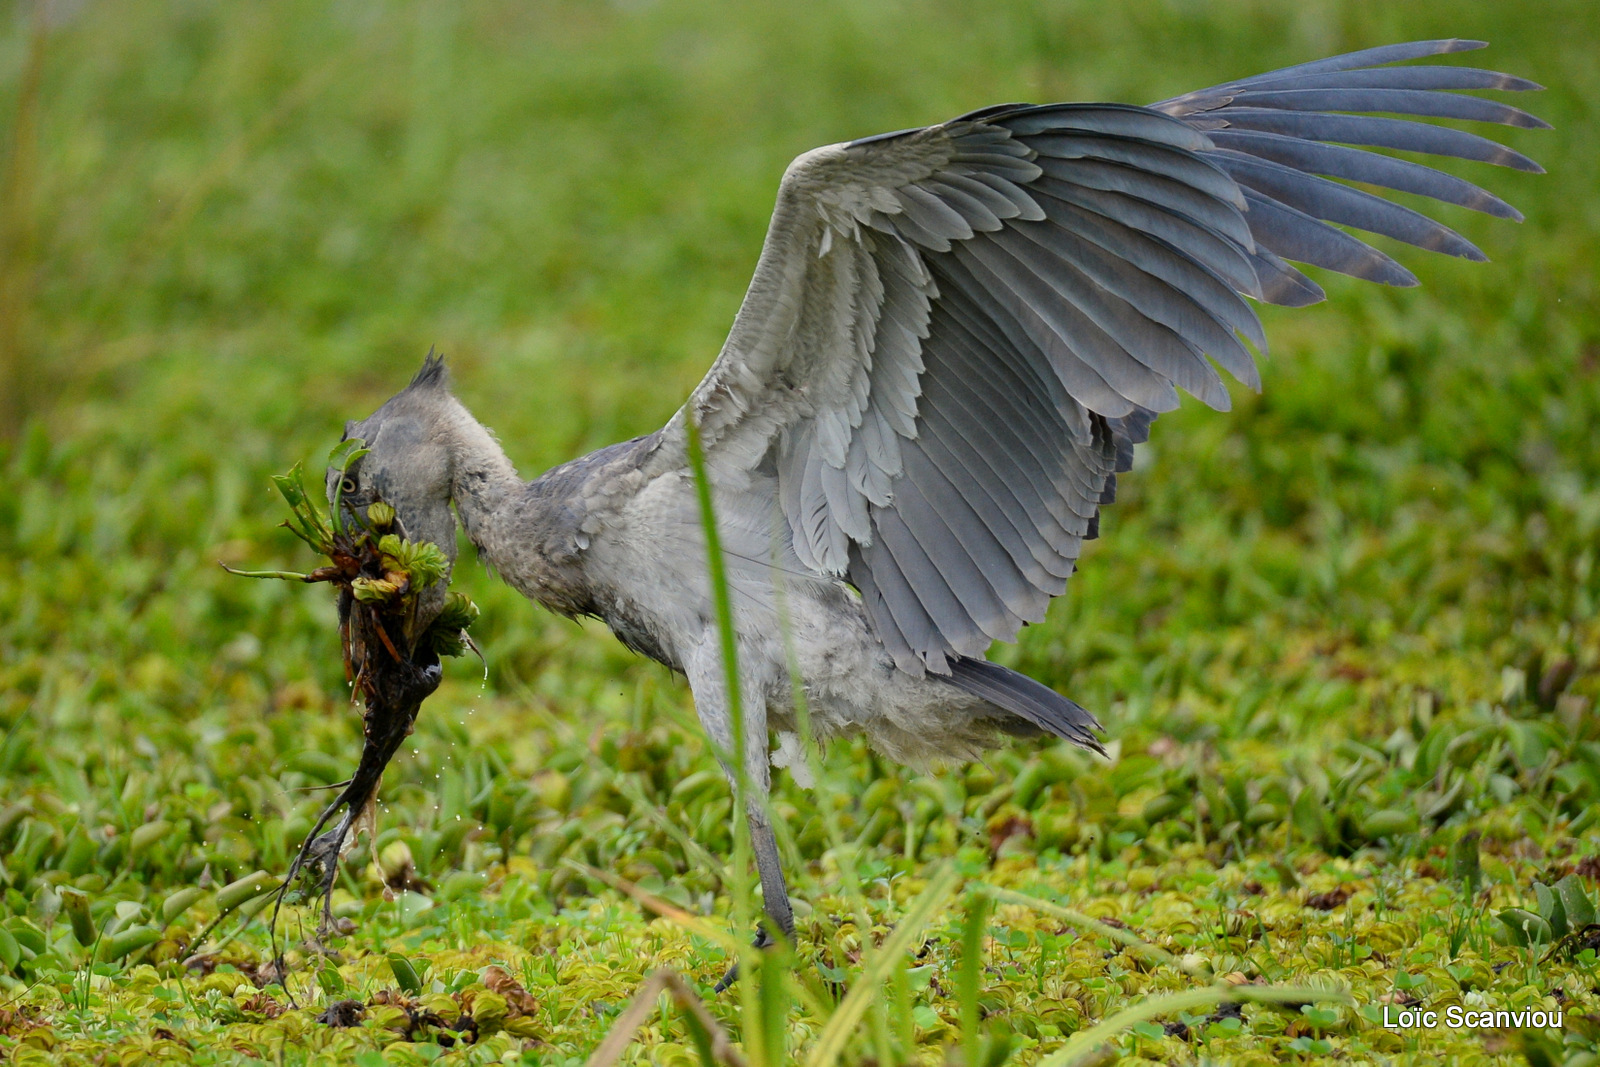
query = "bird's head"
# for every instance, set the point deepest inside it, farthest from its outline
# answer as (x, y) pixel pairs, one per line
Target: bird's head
(408, 462)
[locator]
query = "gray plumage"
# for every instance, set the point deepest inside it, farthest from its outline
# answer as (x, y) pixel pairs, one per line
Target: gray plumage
(954, 339)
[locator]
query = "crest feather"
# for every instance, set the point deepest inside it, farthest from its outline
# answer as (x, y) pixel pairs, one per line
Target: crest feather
(433, 375)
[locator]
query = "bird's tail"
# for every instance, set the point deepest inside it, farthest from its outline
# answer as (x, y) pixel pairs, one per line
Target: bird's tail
(1037, 705)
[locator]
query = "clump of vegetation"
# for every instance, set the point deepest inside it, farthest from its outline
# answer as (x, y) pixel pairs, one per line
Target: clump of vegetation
(379, 575)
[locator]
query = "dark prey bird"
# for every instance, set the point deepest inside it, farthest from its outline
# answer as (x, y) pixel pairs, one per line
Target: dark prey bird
(954, 339)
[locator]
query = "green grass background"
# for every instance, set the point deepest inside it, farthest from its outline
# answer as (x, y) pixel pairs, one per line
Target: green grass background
(1370, 589)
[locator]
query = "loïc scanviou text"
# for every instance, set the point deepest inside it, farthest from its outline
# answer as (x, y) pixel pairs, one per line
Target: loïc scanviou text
(1456, 1017)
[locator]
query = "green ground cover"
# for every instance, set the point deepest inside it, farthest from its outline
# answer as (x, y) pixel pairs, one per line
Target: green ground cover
(1344, 638)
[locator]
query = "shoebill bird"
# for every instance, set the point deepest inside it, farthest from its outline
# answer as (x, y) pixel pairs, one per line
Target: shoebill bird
(953, 342)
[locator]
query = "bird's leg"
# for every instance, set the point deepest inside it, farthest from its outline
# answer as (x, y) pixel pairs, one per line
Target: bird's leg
(706, 678)
(774, 891)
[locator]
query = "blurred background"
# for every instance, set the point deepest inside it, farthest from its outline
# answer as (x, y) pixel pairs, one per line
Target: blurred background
(226, 228)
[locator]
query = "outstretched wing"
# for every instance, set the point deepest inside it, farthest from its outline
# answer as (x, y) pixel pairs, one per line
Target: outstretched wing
(956, 335)
(1281, 136)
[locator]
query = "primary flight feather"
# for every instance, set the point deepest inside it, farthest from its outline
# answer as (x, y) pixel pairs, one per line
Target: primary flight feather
(954, 339)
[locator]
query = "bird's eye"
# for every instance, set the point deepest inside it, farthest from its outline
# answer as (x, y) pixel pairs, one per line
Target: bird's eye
(348, 485)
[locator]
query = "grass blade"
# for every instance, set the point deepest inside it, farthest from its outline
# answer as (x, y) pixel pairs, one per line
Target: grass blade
(722, 602)
(970, 979)
(1086, 1043)
(1090, 925)
(733, 691)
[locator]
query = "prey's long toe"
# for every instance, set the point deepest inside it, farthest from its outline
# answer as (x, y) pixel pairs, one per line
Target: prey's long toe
(763, 940)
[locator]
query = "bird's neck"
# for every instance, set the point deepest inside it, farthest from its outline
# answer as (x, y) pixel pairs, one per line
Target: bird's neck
(525, 531)
(517, 526)
(483, 484)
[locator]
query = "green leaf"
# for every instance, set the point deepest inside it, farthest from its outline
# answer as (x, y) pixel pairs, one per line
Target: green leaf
(343, 456)
(346, 452)
(1551, 909)
(1320, 1017)
(305, 520)
(178, 903)
(284, 576)
(424, 561)
(1464, 865)
(1389, 822)
(1309, 816)
(448, 631)
(291, 488)
(1579, 905)
(1524, 927)
(373, 590)
(126, 942)
(10, 951)
(331, 981)
(405, 975)
(458, 613)
(76, 904)
(237, 892)
(380, 516)
(28, 935)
